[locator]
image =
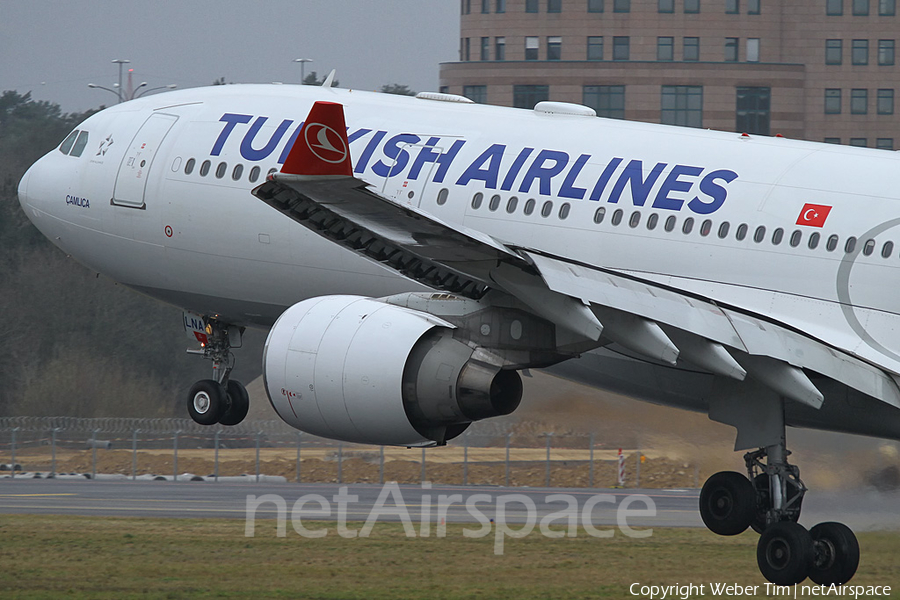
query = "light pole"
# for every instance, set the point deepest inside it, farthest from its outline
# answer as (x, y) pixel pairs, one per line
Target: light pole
(303, 62)
(120, 62)
(94, 86)
(171, 86)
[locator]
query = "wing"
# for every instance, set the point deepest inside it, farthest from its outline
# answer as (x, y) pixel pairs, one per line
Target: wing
(657, 323)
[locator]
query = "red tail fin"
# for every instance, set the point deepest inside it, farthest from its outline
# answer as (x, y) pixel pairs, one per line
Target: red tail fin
(322, 147)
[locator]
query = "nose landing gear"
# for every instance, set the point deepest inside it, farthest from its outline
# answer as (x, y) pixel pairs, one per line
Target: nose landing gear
(221, 399)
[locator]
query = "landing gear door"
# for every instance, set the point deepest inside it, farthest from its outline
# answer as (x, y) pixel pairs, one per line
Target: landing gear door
(135, 168)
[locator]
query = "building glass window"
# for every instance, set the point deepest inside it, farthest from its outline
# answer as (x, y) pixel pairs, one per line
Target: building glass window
(753, 110)
(531, 6)
(485, 7)
(832, 140)
(595, 6)
(476, 93)
(467, 49)
(621, 47)
(554, 48)
(691, 48)
(692, 6)
(595, 47)
(665, 48)
(885, 52)
(526, 96)
(834, 52)
(834, 7)
(859, 102)
(861, 143)
(731, 49)
(485, 48)
(501, 6)
(554, 6)
(861, 8)
(532, 47)
(754, 7)
(884, 143)
(607, 100)
(885, 102)
(732, 7)
(621, 6)
(682, 105)
(832, 101)
(860, 52)
(500, 48)
(666, 6)
(887, 8)
(752, 49)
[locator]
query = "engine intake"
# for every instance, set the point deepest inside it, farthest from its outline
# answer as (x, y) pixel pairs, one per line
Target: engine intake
(358, 370)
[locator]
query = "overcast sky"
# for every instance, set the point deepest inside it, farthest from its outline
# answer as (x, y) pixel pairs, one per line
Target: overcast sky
(55, 48)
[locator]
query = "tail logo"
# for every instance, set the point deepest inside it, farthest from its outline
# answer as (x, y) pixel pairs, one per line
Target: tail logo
(326, 143)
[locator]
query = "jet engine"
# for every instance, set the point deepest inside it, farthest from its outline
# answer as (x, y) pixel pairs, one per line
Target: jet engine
(355, 369)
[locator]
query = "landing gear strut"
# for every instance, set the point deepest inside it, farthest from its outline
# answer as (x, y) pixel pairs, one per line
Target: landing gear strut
(221, 399)
(769, 500)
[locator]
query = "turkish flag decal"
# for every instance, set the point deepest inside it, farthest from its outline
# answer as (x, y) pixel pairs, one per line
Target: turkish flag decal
(813, 215)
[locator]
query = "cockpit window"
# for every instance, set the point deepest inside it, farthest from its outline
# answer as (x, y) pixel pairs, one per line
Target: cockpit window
(67, 143)
(80, 143)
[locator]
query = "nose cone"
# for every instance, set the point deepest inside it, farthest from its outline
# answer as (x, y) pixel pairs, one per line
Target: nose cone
(23, 189)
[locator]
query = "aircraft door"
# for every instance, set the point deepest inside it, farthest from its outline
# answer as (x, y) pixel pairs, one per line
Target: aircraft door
(138, 160)
(400, 187)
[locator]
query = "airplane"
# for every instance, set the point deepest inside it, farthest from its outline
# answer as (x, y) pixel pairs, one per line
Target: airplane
(412, 255)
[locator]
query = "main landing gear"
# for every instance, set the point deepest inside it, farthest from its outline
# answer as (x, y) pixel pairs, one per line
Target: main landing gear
(220, 399)
(769, 500)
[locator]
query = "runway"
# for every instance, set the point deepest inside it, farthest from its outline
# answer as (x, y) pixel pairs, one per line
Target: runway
(645, 508)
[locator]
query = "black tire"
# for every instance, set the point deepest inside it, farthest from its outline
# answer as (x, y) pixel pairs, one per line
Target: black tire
(837, 554)
(728, 503)
(239, 403)
(785, 553)
(763, 502)
(206, 402)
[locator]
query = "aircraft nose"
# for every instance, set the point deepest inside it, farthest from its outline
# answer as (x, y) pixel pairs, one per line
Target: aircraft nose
(23, 189)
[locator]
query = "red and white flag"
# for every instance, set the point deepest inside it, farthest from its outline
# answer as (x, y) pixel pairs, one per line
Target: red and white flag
(813, 215)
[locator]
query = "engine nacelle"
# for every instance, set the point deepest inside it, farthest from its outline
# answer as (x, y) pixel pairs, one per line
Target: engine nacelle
(359, 370)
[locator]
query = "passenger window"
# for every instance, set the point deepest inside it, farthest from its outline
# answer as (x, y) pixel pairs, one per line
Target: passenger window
(813, 240)
(220, 170)
(617, 216)
(796, 237)
(204, 168)
(850, 246)
(670, 223)
(476, 200)
(723, 230)
(80, 143)
(635, 219)
(511, 205)
(777, 236)
(254, 174)
(189, 166)
(652, 220)
(529, 206)
(832, 243)
(869, 248)
(546, 209)
(564, 210)
(272, 170)
(705, 227)
(688, 225)
(760, 234)
(495, 202)
(599, 214)
(741, 232)
(238, 171)
(67, 143)
(887, 249)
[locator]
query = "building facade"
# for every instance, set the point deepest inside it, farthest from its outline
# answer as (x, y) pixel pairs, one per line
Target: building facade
(822, 70)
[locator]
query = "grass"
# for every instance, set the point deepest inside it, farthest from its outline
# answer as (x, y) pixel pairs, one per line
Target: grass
(88, 557)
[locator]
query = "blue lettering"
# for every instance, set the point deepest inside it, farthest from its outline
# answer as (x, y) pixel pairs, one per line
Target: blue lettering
(712, 189)
(568, 189)
(515, 168)
(604, 178)
(544, 174)
(490, 174)
(427, 155)
(640, 188)
(290, 144)
(446, 159)
(395, 149)
(674, 184)
(367, 153)
(247, 149)
(231, 120)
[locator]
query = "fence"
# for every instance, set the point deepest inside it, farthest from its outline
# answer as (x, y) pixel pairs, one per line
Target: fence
(487, 454)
